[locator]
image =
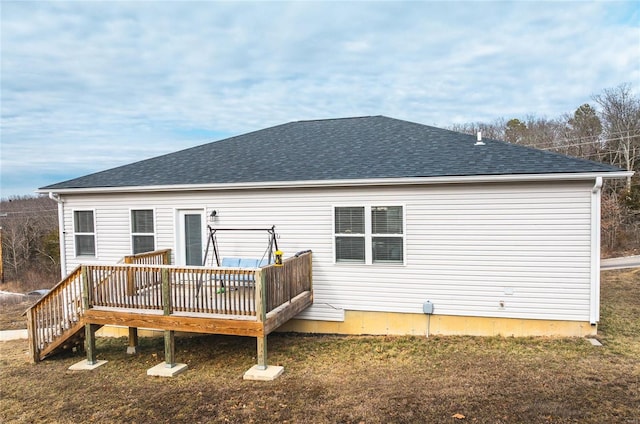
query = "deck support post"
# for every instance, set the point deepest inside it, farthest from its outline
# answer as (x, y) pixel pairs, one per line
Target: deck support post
(261, 314)
(170, 368)
(169, 336)
(262, 353)
(133, 341)
(90, 343)
(89, 329)
(169, 349)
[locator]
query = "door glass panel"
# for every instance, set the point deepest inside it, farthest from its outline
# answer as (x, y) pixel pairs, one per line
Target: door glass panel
(193, 239)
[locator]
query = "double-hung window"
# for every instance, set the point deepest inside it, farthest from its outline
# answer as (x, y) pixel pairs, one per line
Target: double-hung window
(350, 234)
(143, 237)
(387, 234)
(369, 234)
(84, 233)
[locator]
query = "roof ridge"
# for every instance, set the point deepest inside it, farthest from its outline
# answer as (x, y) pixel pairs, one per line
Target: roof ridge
(338, 119)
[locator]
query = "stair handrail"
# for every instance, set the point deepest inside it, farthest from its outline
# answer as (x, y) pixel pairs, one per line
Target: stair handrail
(54, 313)
(58, 284)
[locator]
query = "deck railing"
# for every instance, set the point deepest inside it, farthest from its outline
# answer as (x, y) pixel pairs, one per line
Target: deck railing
(283, 283)
(157, 257)
(227, 291)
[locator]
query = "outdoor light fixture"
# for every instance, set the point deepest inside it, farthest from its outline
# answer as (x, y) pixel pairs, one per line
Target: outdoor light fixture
(213, 214)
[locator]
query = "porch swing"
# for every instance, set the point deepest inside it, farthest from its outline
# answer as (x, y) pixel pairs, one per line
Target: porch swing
(212, 242)
(271, 253)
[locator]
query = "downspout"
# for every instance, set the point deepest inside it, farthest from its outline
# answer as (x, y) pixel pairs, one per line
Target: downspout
(63, 234)
(594, 307)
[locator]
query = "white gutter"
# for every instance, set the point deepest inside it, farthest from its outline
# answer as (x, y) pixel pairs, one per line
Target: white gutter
(62, 233)
(350, 183)
(594, 295)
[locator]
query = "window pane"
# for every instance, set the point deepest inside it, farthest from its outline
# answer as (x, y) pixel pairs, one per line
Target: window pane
(142, 221)
(350, 220)
(85, 245)
(386, 220)
(143, 244)
(387, 249)
(83, 221)
(349, 249)
(193, 239)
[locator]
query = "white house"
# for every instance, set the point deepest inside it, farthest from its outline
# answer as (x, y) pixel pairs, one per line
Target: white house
(402, 218)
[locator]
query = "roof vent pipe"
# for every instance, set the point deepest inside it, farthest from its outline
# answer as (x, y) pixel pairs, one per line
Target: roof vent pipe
(479, 142)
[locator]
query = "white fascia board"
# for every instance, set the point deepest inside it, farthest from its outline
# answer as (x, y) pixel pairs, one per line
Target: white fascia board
(468, 179)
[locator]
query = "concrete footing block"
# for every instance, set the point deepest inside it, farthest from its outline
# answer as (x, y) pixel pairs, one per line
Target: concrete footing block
(132, 350)
(161, 370)
(595, 342)
(255, 373)
(85, 366)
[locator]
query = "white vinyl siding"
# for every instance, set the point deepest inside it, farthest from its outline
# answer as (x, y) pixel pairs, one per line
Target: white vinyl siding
(467, 248)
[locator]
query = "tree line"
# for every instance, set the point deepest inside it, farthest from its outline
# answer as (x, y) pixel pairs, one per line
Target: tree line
(30, 244)
(606, 130)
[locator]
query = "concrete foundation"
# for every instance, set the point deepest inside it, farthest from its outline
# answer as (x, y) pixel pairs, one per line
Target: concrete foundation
(255, 373)
(161, 370)
(85, 366)
(393, 323)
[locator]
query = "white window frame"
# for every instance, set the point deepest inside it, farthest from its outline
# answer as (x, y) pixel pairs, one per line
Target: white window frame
(77, 233)
(155, 238)
(368, 235)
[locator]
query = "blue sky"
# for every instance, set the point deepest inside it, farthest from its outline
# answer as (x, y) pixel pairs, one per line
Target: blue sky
(87, 86)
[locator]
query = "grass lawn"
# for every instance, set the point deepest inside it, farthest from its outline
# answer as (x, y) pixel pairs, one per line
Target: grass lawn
(333, 379)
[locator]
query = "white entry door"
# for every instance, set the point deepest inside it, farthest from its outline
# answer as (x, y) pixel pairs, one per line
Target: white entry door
(190, 237)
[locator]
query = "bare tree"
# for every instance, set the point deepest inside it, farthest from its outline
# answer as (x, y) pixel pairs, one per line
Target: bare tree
(543, 133)
(494, 130)
(29, 237)
(620, 114)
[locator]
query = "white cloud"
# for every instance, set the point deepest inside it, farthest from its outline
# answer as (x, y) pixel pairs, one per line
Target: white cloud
(86, 86)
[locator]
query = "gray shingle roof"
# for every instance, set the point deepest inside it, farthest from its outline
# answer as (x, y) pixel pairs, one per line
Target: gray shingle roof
(336, 149)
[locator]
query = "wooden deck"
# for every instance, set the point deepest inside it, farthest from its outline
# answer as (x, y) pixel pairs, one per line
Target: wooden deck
(146, 292)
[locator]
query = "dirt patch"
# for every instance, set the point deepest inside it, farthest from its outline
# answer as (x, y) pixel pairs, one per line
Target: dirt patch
(332, 379)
